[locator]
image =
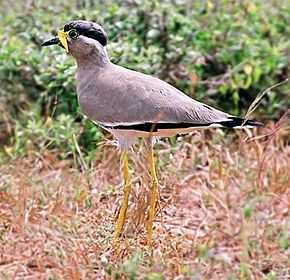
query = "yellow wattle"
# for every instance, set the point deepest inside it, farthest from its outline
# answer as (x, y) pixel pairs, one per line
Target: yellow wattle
(62, 36)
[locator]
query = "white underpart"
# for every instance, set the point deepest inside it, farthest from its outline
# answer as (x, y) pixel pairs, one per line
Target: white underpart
(127, 138)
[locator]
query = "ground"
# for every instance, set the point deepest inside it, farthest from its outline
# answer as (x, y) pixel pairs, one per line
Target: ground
(223, 212)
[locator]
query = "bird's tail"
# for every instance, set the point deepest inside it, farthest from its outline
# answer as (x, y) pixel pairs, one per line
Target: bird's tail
(236, 122)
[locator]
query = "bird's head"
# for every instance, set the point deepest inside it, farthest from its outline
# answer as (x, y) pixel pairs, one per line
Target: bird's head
(80, 38)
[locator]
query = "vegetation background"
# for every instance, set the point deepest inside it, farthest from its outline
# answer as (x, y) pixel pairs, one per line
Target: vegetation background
(59, 175)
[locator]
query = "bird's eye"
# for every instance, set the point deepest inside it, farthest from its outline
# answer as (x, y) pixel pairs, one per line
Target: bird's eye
(73, 34)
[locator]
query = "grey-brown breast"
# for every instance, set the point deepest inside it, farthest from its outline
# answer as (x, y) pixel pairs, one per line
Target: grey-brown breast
(118, 96)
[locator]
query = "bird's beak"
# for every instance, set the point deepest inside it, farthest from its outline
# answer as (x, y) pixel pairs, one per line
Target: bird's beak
(61, 39)
(53, 41)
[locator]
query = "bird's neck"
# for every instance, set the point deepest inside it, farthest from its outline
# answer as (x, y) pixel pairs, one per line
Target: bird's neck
(95, 61)
(89, 69)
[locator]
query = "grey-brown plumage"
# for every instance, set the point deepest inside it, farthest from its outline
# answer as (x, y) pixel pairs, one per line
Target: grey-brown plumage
(127, 97)
(131, 104)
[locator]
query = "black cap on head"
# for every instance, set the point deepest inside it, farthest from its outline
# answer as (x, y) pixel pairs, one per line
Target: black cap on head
(89, 29)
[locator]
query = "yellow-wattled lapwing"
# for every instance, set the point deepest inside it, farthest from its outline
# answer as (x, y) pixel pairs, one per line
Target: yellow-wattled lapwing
(130, 104)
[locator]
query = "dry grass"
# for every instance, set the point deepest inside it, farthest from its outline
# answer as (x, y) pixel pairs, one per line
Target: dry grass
(223, 213)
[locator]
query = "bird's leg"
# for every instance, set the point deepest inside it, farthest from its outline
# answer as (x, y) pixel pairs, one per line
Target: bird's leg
(127, 188)
(153, 194)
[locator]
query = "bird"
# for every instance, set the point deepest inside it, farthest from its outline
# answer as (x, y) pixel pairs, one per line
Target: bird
(132, 105)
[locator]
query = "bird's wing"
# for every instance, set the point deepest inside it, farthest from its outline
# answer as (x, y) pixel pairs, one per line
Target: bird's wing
(126, 99)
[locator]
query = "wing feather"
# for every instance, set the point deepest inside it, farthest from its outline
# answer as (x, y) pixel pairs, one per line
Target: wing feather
(119, 97)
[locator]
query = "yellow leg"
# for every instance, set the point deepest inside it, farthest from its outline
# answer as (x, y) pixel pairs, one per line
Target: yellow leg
(127, 189)
(153, 196)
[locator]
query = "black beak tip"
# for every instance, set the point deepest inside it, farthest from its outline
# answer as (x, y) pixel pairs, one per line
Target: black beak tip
(44, 44)
(53, 41)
